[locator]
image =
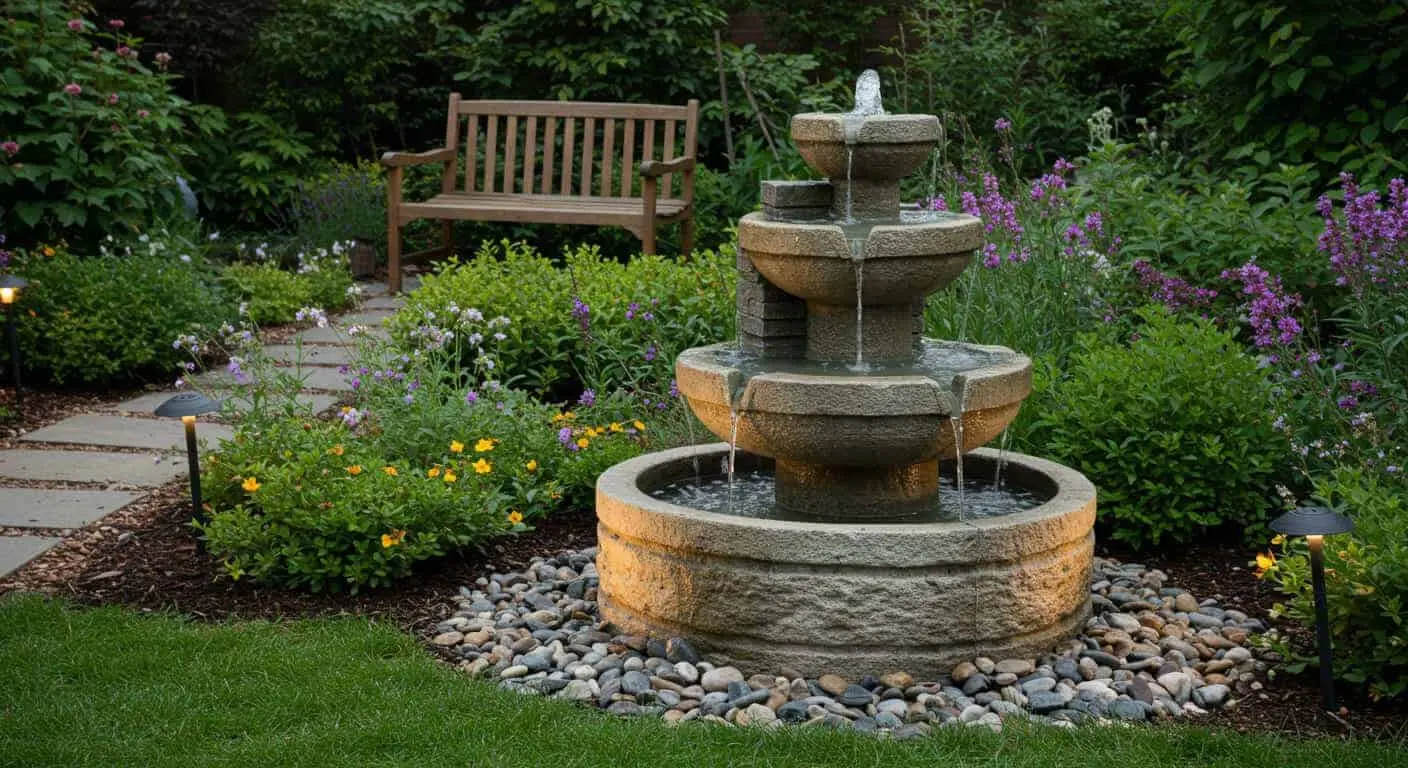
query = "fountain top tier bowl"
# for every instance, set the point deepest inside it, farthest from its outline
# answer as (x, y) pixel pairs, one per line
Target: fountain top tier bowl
(864, 147)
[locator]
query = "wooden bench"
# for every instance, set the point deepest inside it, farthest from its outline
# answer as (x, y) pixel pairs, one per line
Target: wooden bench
(553, 162)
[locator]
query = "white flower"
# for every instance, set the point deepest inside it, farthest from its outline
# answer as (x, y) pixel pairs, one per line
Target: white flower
(214, 236)
(185, 259)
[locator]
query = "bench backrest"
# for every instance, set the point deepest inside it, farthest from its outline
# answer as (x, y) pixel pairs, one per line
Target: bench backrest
(573, 148)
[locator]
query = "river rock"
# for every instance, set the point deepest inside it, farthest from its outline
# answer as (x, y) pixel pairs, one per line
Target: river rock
(718, 679)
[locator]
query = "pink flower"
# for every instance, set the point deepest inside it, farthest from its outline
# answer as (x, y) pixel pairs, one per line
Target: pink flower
(144, 114)
(112, 98)
(73, 89)
(117, 23)
(75, 24)
(125, 52)
(11, 148)
(163, 59)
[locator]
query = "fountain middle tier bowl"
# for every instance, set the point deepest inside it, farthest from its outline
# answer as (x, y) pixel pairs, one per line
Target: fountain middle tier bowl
(874, 147)
(904, 259)
(848, 599)
(825, 414)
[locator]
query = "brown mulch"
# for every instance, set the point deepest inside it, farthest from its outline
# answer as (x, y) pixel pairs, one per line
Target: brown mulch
(147, 557)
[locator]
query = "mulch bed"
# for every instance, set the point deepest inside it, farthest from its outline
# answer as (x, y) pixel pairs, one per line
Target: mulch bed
(147, 557)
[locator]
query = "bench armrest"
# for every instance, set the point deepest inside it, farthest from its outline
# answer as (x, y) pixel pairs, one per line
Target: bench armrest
(403, 159)
(653, 168)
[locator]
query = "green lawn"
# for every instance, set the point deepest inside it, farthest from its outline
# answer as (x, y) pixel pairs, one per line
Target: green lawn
(112, 688)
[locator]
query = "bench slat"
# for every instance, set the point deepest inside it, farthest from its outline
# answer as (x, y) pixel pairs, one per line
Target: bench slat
(452, 138)
(510, 152)
(575, 109)
(627, 159)
(667, 182)
(648, 151)
(491, 151)
(471, 152)
(530, 154)
(549, 141)
(588, 143)
(608, 152)
(553, 209)
(569, 132)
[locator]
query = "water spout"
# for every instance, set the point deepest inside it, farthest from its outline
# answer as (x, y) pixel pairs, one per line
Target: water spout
(868, 94)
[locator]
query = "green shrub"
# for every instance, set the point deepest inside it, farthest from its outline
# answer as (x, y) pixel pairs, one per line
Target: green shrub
(1366, 581)
(308, 504)
(1276, 82)
(637, 318)
(249, 172)
(1174, 429)
(348, 203)
(92, 138)
(109, 319)
(269, 294)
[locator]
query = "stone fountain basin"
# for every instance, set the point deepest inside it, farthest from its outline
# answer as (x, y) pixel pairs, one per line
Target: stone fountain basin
(837, 419)
(902, 262)
(883, 147)
(844, 598)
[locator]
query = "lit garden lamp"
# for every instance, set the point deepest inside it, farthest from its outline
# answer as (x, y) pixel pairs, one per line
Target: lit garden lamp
(187, 406)
(10, 287)
(1315, 523)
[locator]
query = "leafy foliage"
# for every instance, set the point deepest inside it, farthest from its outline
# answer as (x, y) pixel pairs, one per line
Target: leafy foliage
(1312, 82)
(92, 136)
(1174, 429)
(1366, 582)
(110, 319)
(250, 171)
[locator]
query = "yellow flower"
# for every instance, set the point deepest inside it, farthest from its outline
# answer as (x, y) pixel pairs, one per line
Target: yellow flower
(616, 427)
(251, 484)
(583, 442)
(389, 470)
(532, 465)
(450, 476)
(639, 425)
(1278, 539)
(456, 446)
(393, 538)
(485, 444)
(336, 450)
(354, 470)
(483, 467)
(1265, 561)
(48, 251)
(432, 472)
(515, 517)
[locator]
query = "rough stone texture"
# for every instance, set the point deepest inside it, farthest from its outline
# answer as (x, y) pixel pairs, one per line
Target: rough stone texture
(125, 432)
(797, 200)
(15, 551)
(887, 332)
(58, 508)
(856, 494)
(874, 152)
(846, 599)
(135, 469)
(310, 354)
(763, 311)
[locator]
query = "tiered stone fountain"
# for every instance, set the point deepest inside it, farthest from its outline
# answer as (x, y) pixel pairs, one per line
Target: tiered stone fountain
(835, 530)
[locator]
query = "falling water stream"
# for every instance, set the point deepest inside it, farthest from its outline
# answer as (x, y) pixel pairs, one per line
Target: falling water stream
(955, 422)
(732, 442)
(859, 261)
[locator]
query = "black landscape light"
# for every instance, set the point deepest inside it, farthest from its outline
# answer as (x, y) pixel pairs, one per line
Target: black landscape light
(1315, 523)
(10, 288)
(187, 406)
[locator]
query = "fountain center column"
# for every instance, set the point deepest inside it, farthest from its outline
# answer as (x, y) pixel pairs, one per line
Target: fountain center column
(834, 494)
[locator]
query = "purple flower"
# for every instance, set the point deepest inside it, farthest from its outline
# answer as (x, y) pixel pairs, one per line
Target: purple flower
(632, 310)
(564, 436)
(1002, 124)
(1173, 292)
(408, 399)
(471, 397)
(650, 353)
(587, 399)
(352, 417)
(674, 388)
(1269, 308)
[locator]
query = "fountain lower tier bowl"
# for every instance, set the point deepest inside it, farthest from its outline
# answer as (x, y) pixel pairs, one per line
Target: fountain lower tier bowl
(849, 599)
(901, 259)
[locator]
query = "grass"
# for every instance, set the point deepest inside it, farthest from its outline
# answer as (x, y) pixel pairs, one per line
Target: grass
(113, 688)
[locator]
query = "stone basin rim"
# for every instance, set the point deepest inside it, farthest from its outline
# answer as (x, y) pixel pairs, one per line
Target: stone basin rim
(964, 232)
(1073, 492)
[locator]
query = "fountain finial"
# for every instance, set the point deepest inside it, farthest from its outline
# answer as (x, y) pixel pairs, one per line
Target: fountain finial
(868, 94)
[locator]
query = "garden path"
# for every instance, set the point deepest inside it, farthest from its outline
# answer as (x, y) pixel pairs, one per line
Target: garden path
(79, 470)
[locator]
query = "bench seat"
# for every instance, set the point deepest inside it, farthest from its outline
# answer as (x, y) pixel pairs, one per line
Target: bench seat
(563, 209)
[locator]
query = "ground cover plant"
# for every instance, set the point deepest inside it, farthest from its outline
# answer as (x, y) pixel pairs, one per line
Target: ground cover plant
(341, 692)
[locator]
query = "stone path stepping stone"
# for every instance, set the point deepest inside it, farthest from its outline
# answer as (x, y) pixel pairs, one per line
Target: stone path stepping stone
(369, 318)
(90, 466)
(125, 432)
(311, 354)
(145, 404)
(383, 302)
(337, 335)
(49, 508)
(15, 551)
(325, 378)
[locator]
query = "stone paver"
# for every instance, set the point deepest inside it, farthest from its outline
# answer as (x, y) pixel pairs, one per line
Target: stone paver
(325, 378)
(387, 303)
(369, 318)
(50, 508)
(125, 432)
(145, 404)
(91, 466)
(336, 336)
(311, 354)
(15, 551)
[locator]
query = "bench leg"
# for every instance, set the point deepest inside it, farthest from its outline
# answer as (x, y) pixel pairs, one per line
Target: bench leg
(647, 239)
(687, 238)
(447, 237)
(393, 256)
